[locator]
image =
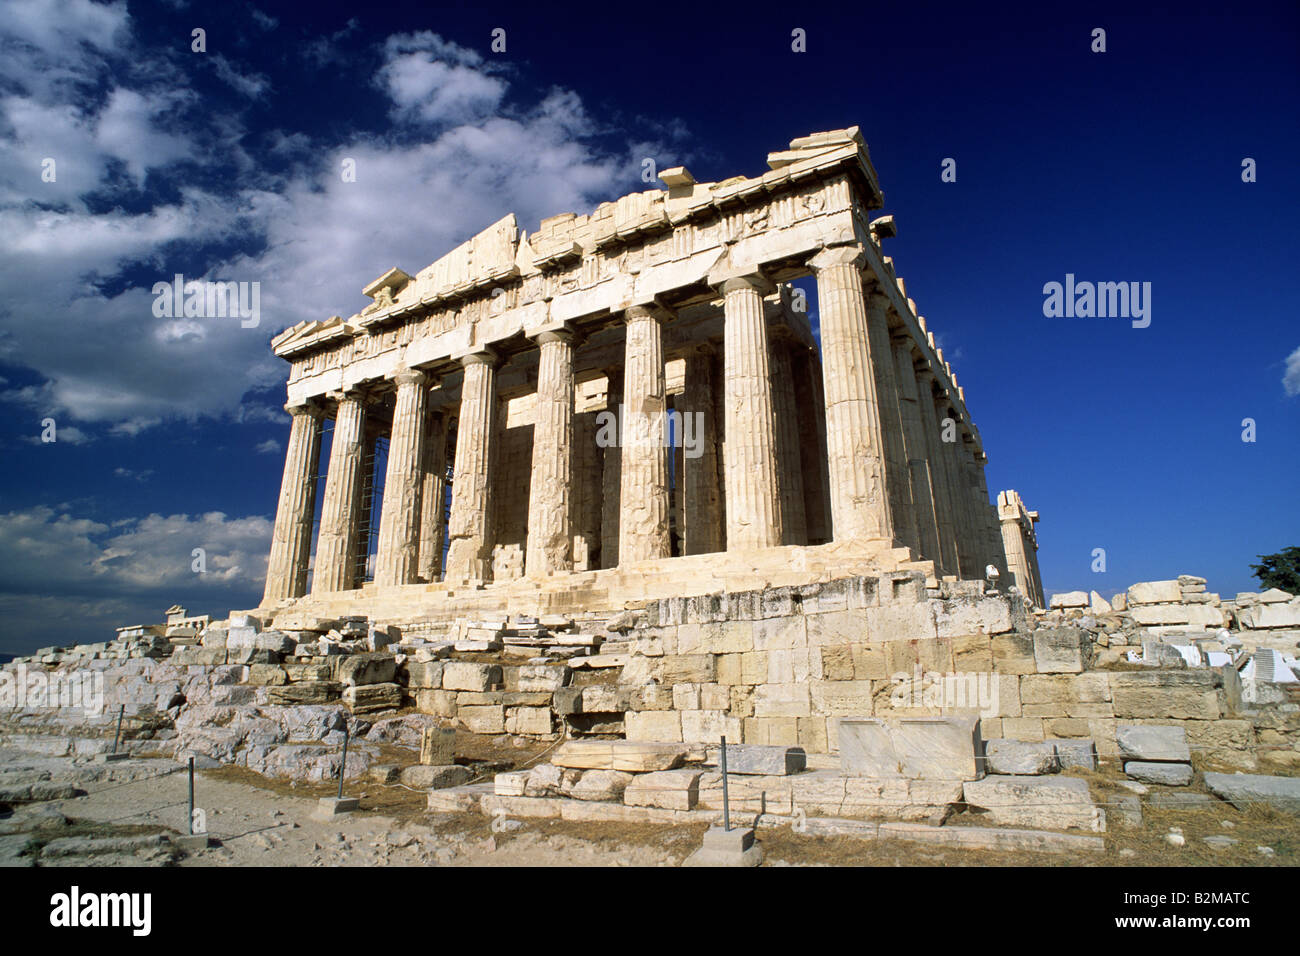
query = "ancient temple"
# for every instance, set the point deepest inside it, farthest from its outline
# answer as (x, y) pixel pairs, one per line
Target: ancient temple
(632, 404)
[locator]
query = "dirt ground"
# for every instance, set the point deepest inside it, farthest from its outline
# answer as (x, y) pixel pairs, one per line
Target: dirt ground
(256, 821)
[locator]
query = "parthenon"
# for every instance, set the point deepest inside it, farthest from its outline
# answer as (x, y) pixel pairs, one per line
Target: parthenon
(633, 404)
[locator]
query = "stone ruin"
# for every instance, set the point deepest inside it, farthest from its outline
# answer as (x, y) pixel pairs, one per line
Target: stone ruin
(815, 572)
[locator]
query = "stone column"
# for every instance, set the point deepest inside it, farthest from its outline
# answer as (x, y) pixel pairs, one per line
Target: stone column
(897, 480)
(989, 512)
(916, 452)
(609, 436)
(940, 480)
(753, 502)
(981, 556)
(812, 444)
(433, 497)
(855, 444)
(701, 527)
(336, 544)
(397, 557)
(469, 528)
(959, 488)
(643, 496)
(1013, 544)
(286, 568)
(786, 411)
(550, 491)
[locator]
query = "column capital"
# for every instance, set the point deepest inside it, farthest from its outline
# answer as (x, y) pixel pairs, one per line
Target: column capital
(352, 393)
(410, 376)
(562, 334)
(838, 256)
(484, 356)
(305, 408)
(644, 310)
(751, 280)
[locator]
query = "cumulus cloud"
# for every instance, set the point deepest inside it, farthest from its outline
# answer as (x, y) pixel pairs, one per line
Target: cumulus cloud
(54, 559)
(1291, 377)
(462, 142)
(268, 447)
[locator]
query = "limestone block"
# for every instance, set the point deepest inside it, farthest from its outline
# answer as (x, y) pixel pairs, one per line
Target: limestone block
(650, 697)
(753, 667)
(440, 703)
(869, 663)
(749, 794)
(1064, 689)
(901, 622)
(899, 799)
(666, 789)
(544, 780)
(438, 746)
(368, 698)
(637, 757)
(602, 785)
(772, 731)
(543, 677)
(782, 700)
(463, 675)
(812, 734)
(1154, 592)
(686, 697)
(836, 628)
(1271, 615)
(1069, 599)
(1022, 728)
(534, 721)
(1181, 695)
(1149, 742)
(1014, 654)
(425, 675)
(726, 637)
(819, 793)
(304, 672)
(483, 719)
(932, 747)
(266, 675)
(779, 633)
(510, 784)
(1050, 803)
(306, 692)
(751, 759)
(1080, 753)
(1232, 742)
(689, 668)
(1164, 774)
(1170, 614)
(358, 669)
(709, 726)
(1020, 757)
(1244, 789)
(714, 697)
(836, 662)
(729, 669)
(972, 652)
(991, 615)
(427, 777)
(848, 698)
(1061, 650)
(606, 699)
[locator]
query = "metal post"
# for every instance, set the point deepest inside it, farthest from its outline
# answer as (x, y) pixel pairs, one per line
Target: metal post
(191, 796)
(118, 736)
(344, 765)
(726, 802)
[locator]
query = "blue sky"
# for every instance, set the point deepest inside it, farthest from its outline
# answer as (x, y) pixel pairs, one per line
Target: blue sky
(1115, 166)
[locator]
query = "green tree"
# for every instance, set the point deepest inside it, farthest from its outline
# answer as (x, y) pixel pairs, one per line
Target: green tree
(1281, 570)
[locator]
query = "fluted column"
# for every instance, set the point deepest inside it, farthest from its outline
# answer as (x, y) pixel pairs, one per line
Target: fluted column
(1013, 544)
(855, 445)
(959, 486)
(897, 480)
(286, 568)
(433, 495)
(977, 511)
(989, 512)
(609, 438)
(701, 525)
(752, 486)
(812, 444)
(915, 452)
(469, 529)
(397, 559)
(643, 497)
(940, 480)
(550, 494)
(336, 544)
(786, 412)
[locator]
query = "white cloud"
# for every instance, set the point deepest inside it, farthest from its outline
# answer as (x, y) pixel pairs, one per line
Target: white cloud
(463, 148)
(268, 447)
(1291, 377)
